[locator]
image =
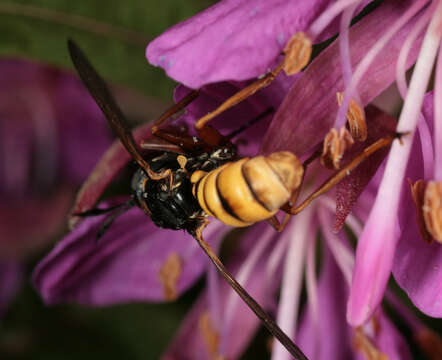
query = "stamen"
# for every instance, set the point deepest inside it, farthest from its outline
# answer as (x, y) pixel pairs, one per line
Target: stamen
(362, 343)
(355, 118)
(210, 336)
(432, 209)
(371, 55)
(292, 279)
(417, 193)
(318, 26)
(242, 277)
(297, 53)
(312, 292)
(335, 145)
(169, 275)
(424, 131)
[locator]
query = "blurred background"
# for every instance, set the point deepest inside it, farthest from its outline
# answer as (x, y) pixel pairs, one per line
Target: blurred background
(114, 35)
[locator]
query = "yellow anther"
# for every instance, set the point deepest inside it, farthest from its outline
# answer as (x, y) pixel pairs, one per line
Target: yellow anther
(335, 145)
(355, 118)
(297, 51)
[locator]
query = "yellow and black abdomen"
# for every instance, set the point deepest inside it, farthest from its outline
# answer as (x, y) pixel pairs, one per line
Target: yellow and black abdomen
(249, 190)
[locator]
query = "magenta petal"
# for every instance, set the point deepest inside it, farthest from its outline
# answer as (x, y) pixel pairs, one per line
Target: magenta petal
(310, 107)
(123, 266)
(348, 190)
(232, 40)
(189, 342)
(417, 264)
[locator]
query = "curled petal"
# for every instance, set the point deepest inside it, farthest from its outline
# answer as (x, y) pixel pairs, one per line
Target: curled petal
(127, 264)
(232, 40)
(310, 107)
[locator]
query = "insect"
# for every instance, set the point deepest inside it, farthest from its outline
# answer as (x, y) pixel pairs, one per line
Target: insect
(193, 178)
(162, 185)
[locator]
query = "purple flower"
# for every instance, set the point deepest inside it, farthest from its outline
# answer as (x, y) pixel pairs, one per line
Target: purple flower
(51, 134)
(220, 50)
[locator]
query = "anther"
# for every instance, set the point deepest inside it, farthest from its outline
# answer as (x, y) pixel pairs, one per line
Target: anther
(335, 145)
(417, 193)
(364, 344)
(210, 335)
(432, 209)
(355, 118)
(169, 275)
(297, 53)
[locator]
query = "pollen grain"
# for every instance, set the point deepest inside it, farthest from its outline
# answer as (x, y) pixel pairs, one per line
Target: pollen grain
(169, 275)
(432, 209)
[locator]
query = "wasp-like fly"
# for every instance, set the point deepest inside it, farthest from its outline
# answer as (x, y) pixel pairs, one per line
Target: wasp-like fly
(194, 177)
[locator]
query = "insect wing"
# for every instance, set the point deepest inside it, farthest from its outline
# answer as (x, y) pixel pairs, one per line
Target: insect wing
(100, 92)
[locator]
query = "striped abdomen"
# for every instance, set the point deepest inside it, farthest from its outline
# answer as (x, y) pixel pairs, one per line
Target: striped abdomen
(249, 190)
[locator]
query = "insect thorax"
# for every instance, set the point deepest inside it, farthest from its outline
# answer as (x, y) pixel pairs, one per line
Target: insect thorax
(175, 208)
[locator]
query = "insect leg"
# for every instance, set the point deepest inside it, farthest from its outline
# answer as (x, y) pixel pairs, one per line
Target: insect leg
(239, 96)
(296, 53)
(174, 109)
(342, 173)
(273, 328)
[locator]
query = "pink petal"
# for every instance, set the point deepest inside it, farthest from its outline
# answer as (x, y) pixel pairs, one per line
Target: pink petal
(418, 265)
(232, 40)
(310, 107)
(123, 266)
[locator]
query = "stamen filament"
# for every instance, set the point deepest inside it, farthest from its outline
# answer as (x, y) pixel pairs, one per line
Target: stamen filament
(312, 291)
(292, 280)
(369, 58)
(328, 16)
(424, 131)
